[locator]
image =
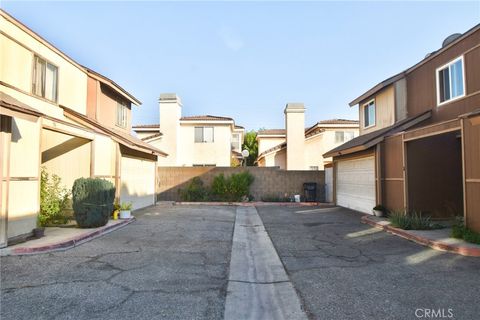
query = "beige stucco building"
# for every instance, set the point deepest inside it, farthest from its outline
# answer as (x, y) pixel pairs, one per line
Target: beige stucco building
(297, 148)
(194, 140)
(60, 115)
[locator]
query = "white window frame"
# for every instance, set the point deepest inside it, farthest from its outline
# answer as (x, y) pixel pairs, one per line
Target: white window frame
(238, 146)
(203, 134)
(343, 136)
(447, 65)
(363, 114)
(122, 123)
(34, 75)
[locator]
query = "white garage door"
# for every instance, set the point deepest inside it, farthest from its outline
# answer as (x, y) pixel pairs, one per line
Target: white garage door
(356, 184)
(138, 182)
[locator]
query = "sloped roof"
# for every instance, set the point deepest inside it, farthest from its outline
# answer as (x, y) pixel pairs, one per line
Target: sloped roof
(280, 146)
(368, 140)
(11, 103)
(146, 126)
(271, 132)
(377, 88)
(155, 135)
(206, 118)
(307, 130)
(84, 69)
(112, 84)
(402, 74)
(338, 121)
(122, 137)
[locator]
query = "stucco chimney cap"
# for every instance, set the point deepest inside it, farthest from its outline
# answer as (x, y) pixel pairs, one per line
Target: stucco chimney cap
(169, 97)
(294, 107)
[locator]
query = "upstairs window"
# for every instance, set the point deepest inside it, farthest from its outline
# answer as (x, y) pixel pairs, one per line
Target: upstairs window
(121, 115)
(45, 79)
(450, 81)
(343, 136)
(203, 134)
(236, 141)
(369, 114)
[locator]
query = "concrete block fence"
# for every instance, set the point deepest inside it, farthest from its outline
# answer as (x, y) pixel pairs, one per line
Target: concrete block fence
(268, 182)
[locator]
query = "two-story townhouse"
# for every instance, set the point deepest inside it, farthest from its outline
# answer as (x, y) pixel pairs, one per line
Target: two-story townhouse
(192, 140)
(45, 107)
(428, 157)
(306, 145)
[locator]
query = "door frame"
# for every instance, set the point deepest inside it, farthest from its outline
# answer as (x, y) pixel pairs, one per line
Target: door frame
(5, 139)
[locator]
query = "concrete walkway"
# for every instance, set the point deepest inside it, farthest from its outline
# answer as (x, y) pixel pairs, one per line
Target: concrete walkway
(258, 286)
(438, 239)
(59, 238)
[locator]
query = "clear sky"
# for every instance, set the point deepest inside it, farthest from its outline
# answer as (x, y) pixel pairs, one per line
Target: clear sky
(247, 60)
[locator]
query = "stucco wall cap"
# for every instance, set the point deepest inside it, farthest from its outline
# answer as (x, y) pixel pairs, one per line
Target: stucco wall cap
(294, 107)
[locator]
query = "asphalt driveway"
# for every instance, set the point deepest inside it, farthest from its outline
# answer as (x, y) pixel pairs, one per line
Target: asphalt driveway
(172, 263)
(345, 270)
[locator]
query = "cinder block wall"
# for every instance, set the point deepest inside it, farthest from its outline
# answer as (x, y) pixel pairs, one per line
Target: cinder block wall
(268, 181)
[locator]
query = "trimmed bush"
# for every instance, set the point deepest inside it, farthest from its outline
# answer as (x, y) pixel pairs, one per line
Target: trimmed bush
(92, 201)
(233, 188)
(195, 191)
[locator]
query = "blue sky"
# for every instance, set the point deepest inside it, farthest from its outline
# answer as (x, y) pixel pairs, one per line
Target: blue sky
(247, 60)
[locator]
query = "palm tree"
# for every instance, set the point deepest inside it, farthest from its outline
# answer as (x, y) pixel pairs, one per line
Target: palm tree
(251, 144)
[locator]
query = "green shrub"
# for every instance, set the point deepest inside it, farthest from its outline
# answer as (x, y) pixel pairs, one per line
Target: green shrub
(234, 188)
(219, 189)
(195, 191)
(92, 201)
(411, 220)
(471, 236)
(53, 200)
(459, 231)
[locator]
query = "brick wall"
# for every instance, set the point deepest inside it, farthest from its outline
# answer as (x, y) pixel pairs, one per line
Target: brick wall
(268, 181)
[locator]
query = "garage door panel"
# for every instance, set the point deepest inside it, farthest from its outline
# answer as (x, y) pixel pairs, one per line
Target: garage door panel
(356, 184)
(137, 182)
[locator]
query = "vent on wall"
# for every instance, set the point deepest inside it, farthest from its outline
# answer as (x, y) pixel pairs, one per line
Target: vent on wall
(450, 39)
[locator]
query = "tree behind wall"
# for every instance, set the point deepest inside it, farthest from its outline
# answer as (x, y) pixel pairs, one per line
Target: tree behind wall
(251, 144)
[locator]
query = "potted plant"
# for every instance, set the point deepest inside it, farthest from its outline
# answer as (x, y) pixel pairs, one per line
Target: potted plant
(116, 209)
(39, 231)
(379, 210)
(125, 210)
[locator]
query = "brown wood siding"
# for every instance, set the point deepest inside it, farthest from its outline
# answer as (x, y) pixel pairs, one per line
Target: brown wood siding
(472, 173)
(107, 108)
(421, 82)
(393, 182)
(432, 130)
(92, 85)
(472, 77)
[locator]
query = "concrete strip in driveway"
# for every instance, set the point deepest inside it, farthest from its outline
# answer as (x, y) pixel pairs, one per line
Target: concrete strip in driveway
(258, 287)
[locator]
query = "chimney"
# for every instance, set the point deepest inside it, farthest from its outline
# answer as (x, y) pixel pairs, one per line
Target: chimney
(170, 113)
(295, 127)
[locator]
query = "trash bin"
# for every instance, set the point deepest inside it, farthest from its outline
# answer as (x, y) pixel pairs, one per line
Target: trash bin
(310, 191)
